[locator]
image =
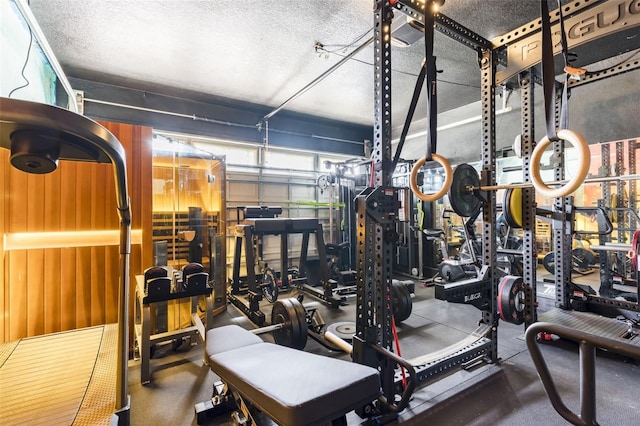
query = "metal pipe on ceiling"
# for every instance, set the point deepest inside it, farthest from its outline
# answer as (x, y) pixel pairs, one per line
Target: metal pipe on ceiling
(316, 81)
(214, 121)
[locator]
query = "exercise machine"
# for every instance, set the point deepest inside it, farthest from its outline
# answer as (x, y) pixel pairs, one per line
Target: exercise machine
(38, 135)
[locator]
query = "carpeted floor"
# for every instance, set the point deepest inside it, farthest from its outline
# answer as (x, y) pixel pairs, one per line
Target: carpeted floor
(502, 394)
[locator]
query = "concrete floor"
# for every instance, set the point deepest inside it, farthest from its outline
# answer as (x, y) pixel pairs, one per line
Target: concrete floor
(505, 393)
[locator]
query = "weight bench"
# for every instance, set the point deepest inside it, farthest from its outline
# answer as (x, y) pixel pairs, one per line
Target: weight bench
(290, 386)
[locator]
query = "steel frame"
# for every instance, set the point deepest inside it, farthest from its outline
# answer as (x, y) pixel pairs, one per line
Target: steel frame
(377, 207)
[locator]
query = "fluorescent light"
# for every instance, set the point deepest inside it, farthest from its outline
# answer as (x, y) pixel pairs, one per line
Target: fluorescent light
(454, 124)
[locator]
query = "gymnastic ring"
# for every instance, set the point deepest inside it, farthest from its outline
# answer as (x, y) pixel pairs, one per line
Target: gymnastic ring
(584, 161)
(448, 178)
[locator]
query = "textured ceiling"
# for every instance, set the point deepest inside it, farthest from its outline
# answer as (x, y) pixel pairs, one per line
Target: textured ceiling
(263, 51)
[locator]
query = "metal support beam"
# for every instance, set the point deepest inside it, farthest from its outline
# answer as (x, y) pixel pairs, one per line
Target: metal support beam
(374, 260)
(488, 177)
(527, 138)
(447, 26)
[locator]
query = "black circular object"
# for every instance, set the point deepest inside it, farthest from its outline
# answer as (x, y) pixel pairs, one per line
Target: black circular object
(508, 218)
(401, 301)
(581, 259)
(344, 330)
(290, 313)
(464, 202)
(548, 261)
(512, 292)
(635, 249)
(269, 285)
(34, 152)
(335, 273)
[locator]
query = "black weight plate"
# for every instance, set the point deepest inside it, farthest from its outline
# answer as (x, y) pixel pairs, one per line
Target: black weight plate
(401, 302)
(269, 285)
(293, 333)
(508, 218)
(548, 261)
(512, 292)
(581, 259)
(635, 249)
(282, 313)
(463, 201)
(301, 319)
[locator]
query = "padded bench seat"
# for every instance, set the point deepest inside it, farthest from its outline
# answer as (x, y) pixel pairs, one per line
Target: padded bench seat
(290, 386)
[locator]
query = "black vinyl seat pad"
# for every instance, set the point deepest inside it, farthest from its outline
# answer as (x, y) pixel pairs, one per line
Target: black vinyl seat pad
(292, 387)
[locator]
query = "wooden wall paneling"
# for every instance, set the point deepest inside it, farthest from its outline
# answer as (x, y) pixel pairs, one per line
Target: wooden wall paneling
(50, 290)
(136, 141)
(146, 194)
(98, 216)
(111, 270)
(35, 213)
(52, 257)
(68, 254)
(4, 302)
(83, 263)
(18, 294)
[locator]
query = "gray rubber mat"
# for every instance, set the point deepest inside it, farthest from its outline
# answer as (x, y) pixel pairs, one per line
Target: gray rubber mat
(590, 323)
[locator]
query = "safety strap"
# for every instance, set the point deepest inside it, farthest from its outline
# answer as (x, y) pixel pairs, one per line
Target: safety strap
(412, 110)
(548, 72)
(432, 94)
(564, 112)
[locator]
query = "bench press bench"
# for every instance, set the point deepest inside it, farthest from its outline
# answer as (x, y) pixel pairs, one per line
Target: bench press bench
(290, 386)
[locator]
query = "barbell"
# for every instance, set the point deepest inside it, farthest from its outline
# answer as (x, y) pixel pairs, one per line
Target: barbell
(559, 182)
(466, 202)
(566, 188)
(288, 324)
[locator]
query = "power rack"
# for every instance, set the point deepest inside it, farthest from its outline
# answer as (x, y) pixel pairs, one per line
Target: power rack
(509, 60)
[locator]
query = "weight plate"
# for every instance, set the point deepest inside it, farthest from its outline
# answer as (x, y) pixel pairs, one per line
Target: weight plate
(581, 259)
(548, 261)
(344, 330)
(293, 333)
(301, 319)
(335, 273)
(635, 250)
(512, 207)
(269, 285)
(613, 216)
(464, 202)
(512, 292)
(401, 302)
(506, 211)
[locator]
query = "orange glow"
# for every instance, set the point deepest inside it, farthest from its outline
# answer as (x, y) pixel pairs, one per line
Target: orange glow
(42, 240)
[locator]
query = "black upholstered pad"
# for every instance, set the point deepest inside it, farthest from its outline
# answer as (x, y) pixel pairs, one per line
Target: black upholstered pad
(291, 386)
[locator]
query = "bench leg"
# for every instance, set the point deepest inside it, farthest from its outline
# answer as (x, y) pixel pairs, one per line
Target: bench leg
(242, 416)
(221, 402)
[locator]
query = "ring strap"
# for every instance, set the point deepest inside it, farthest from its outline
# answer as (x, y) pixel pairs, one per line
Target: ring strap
(412, 110)
(548, 73)
(432, 93)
